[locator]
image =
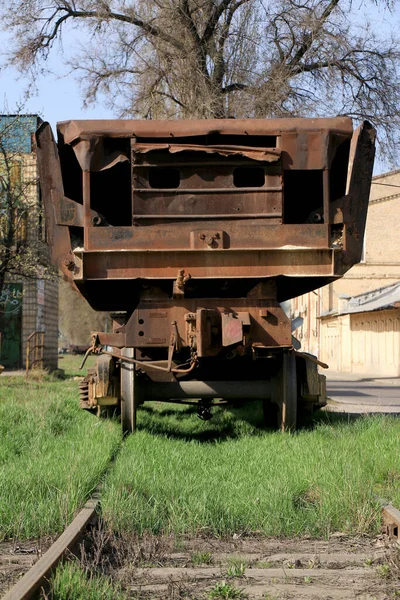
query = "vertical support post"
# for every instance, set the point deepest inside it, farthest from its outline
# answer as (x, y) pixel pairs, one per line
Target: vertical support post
(326, 194)
(133, 177)
(284, 392)
(36, 339)
(42, 349)
(86, 206)
(27, 355)
(128, 389)
(289, 392)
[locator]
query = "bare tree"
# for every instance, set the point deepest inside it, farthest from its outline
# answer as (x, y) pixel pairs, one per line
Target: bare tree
(220, 58)
(22, 251)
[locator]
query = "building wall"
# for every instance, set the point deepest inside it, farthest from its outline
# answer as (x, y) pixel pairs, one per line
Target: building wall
(40, 313)
(40, 302)
(29, 313)
(365, 343)
(376, 342)
(379, 268)
(40, 296)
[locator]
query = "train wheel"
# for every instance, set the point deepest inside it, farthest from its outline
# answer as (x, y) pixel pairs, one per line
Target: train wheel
(129, 393)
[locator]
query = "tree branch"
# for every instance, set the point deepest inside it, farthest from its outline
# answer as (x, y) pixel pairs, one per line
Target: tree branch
(216, 14)
(71, 12)
(309, 36)
(234, 87)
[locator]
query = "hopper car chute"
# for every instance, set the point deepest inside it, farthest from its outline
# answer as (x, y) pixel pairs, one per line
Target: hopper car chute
(191, 233)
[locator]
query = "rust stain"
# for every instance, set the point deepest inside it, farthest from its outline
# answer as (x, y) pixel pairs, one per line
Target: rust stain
(226, 201)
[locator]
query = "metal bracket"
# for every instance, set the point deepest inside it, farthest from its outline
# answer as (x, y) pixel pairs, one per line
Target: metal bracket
(179, 284)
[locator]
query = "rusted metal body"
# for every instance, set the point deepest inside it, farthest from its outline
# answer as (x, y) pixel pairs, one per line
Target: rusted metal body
(194, 231)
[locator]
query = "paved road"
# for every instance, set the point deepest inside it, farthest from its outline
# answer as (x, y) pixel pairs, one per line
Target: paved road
(351, 394)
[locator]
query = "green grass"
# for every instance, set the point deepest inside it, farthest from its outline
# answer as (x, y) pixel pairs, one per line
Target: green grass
(73, 583)
(236, 566)
(180, 475)
(70, 364)
(52, 454)
(225, 591)
(185, 476)
(201, 558)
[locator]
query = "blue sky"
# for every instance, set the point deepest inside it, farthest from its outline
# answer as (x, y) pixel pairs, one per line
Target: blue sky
(57, 95)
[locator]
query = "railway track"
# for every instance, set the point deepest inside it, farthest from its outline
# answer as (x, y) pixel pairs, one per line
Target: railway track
(40, 572)
(339, 568)
(306, 569)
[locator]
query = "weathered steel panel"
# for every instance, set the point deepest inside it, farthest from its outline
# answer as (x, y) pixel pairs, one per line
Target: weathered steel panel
(219, 264)
(51, 184)
(361, 162)
(246, 234)
(218, 323)
(72, 130)
(220, 199)
(194, 203)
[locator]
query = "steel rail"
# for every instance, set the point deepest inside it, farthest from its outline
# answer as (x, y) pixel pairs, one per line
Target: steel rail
(39, 574)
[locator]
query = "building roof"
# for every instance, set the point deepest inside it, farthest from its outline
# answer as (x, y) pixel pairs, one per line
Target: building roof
(387, 297)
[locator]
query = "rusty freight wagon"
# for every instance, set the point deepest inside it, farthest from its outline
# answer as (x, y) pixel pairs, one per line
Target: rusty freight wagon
(191, 233)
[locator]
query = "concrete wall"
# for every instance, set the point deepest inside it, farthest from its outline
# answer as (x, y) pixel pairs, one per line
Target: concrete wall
(381, 251)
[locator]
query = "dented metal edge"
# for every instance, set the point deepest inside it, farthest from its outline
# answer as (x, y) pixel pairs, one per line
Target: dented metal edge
(74, 129)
